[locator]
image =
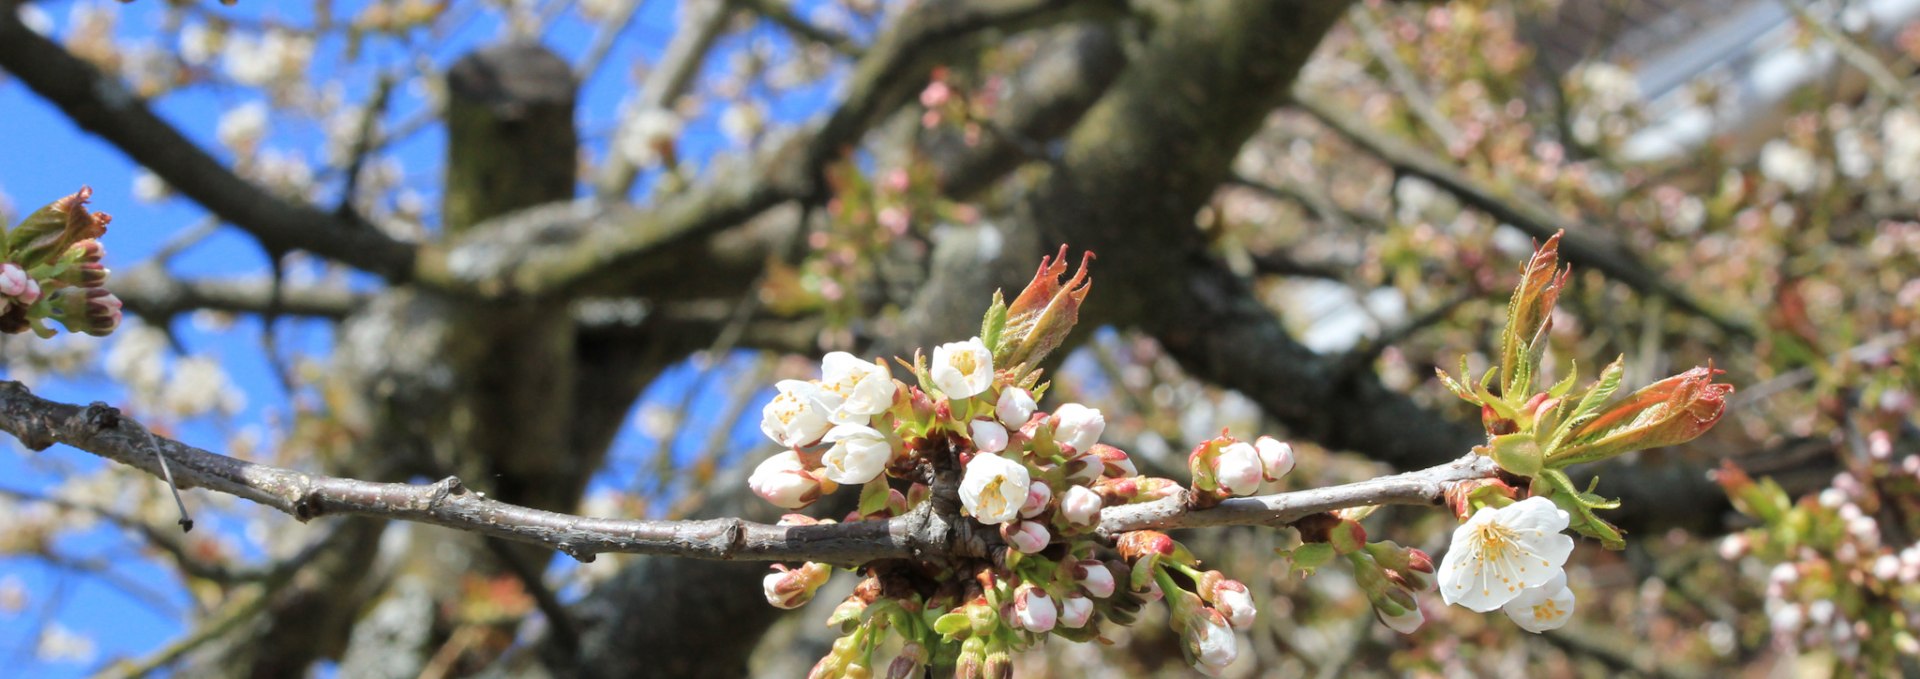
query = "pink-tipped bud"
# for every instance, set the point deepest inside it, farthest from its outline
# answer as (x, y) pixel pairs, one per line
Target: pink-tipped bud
(784, 481)
(1276, 457)
(32, 294)
(1095, 577)
(1039, 494)
(1029, 537)
(1234, 602)
(1075, 611)
(793, 588)
(1210, 642)
(910, 663)
(1078, 427)
(988, 436)
(14, 280)
(1015, 407)
(1115, 461)
(1081, 507)
(103, 310)
(1238, 469)
(1084, 470)
(1033, 610)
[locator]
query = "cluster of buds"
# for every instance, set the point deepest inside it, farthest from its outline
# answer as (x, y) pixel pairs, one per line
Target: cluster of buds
(1837, 582)
(1509, 552)
(51, 267)
(968, 426)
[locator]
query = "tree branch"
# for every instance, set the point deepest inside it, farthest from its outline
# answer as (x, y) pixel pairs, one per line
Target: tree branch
(921, 534)
(155, 294)
(1582, 245)
(104, 106)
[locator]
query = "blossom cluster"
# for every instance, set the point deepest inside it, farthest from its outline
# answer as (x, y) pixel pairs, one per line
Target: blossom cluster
(969, 428)
(52, 267)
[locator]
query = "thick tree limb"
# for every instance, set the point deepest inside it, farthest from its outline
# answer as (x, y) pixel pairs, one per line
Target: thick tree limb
(102, 105)
(1583, 245)
(922, 534)
(155, 294)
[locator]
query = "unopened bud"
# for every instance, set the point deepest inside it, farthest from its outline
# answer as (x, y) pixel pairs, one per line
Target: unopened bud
(1095, 577)
(793, 588)
(1276, 457)
(1033, 610)
(1029, 537)
(1075, 611)
(1115, 461)
(1038, 495)
(1015, 407)
(1081, 507)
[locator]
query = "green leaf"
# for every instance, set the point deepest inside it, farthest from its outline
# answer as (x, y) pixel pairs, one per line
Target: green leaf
(1565, 385)
(994, 325)
(1592, 401)
(1457, 388)
(873, 495)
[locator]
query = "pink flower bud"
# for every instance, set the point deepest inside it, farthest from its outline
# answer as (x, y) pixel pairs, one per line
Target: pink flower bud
(1210, 642)
(1029, 537)
(1399, 611)
(1084, 470)
(783, 481)
(1276, 457)
(1234, 602)
(1038, 495)
(988, 436)
(1238, 469)
(1075, 611)
(32, 294)
(13, 280)
(1081, 506)
(1117, 464)
(793, 588)
(1094, 577)
(1078, 427)
(1033, 609)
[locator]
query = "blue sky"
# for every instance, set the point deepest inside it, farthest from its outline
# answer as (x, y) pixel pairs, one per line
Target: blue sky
(48, 157)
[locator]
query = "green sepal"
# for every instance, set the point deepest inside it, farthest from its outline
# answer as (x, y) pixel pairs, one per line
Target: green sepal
(1579, 507)
(951, 625)
(1308, 557)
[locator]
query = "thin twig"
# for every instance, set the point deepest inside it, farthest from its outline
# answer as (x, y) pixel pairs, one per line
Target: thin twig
(101, 430)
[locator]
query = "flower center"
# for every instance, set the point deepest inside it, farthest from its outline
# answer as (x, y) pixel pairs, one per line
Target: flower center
(963, 362)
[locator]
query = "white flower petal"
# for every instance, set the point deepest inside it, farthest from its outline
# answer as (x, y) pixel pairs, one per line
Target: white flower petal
(1542, 608)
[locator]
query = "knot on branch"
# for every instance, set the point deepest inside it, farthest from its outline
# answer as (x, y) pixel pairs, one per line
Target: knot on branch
(100, 417)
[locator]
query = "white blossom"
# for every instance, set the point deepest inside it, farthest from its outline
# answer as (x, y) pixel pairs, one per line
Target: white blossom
(1500, 552)
(993, 488)
(1542, 608)
(858, 455)
(646, 134)
(854, 389)
(1789, 165)
(795, 417)
(962, 369)
(1015, 407)
(1078, 426)
(241, 128)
